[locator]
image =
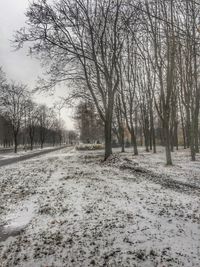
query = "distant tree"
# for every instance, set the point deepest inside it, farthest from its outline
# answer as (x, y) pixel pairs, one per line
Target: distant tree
(3, 122)
(32, 113)
(72, 137)
(2, 78)
(6, 137)
(13, 102)
(45, 122)
(89, 124)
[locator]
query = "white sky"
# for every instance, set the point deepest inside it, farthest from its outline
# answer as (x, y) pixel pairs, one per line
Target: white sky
(17, 65)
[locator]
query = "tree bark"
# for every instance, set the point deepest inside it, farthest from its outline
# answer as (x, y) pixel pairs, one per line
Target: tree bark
(122, 140)
(153, 133)
(108, 138)
(31, 140)
(192, 141)
(134, 142)
(15, 142)
(167, 143)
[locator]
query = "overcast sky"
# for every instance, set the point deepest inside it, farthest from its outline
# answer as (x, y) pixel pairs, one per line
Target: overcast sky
(17, 65)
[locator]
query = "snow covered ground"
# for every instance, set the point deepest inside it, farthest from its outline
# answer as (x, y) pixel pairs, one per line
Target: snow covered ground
(183, 169)
(68, 208)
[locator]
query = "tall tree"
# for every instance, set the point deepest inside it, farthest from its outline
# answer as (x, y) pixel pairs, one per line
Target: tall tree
(87, 33)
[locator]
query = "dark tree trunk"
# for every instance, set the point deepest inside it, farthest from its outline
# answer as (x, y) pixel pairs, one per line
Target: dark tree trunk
(54, 142)
(31, 140)
(196, 133)
(167, 143)
(184, 134)
(15, 142)
(134, 142)
(176, 135)
(108, 138)
(192, 141)
(154, 140)
(184, 137)
(172, 138)
(122, 140)
(42, 138)
(141, 137)
(150, 141)
(146, 140)
(153, 136)
(188, 130)
(42, 144)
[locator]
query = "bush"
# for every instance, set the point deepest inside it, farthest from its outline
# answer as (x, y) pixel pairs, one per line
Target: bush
(89, 147)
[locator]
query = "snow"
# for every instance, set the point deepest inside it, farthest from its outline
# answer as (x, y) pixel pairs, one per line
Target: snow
(76, 210)
(182, 170)
(9, 154)
(21, 216)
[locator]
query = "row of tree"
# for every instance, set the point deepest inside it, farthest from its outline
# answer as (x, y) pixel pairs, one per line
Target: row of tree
(88, 123)
(134, 60)
(24, 122)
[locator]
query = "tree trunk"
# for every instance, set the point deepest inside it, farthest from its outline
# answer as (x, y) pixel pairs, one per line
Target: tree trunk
(176, 135)
(41, 144)
(54, 142)
(133, 142)
(196, 132)
(171, 133)
(153, 133)
(184, 134)
(188, 125)
(154, 140)
(184, 137)
(150, 140)
(122, 140)
(167, 143)
(146, 140)
(141, 137)
(192, 142)
(15, 143)
(31, 143)
(108, 138)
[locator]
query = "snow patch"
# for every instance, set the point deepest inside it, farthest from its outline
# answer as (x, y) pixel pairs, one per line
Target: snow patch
(20, 217)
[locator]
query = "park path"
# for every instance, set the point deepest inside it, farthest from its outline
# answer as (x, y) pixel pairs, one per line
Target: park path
(4, 162)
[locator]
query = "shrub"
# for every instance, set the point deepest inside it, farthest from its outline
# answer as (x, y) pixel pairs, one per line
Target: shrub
(89, 147)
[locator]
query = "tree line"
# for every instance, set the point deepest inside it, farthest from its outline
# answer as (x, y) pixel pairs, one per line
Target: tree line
(136, 61)
(88, 123)
(24, 122)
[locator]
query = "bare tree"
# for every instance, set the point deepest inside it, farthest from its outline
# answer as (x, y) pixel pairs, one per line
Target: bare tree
(136, 61)
(13, 99)
(32, 112)
(45, 122)
(87, 33)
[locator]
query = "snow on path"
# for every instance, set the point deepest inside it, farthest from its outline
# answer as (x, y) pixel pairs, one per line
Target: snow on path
(11, 154)
(94, 214)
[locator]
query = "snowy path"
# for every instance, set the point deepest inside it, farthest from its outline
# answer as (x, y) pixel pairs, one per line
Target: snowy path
(7, 159)
(88, 213)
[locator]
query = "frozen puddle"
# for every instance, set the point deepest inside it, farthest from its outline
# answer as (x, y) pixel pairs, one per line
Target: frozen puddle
(17, 220)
